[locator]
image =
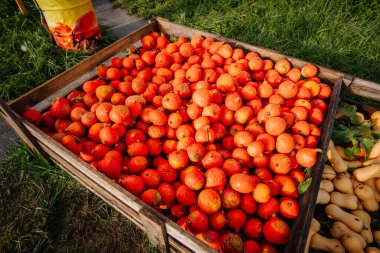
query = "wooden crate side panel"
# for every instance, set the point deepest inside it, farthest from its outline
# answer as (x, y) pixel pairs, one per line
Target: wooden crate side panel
(176, 246)
(14, 120)
(180, 30)
(130, 206)
(92, 177)
(301, 225)
(43, 91)
(155, 228)
(365, 88)
(129, 213)
(191, 242)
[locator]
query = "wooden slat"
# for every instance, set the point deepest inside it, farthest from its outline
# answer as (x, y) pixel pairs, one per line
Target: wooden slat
(91, 177)
(187, 239)
(130, 214)
(110, 192)
(43, 91)
(308, 200)
(155, 228)
(105, 188)
(176, 246)
(365, 88)
(14, 121)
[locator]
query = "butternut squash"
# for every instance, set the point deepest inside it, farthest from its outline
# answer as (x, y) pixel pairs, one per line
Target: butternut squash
(371, 161)
(339, 114)
(364, 192)
(340, 151)
(375, 115)
(353, 164)
(348, 201)
(375, 152)
(323, 197)
(338, 230)
(367, 197)
(366, 122)
(320, 242)
(372, 183)
(336, 161)
(376, 122)
(355, 183)
(366, 219)
(365, 173)
(361, 116)
(314, 228)
(326, 185)
(343, 184)
(372, 250)
(352, 244)
(334, 212)
(371, 205)
(328, 172)
(376, 236)
(344, 174)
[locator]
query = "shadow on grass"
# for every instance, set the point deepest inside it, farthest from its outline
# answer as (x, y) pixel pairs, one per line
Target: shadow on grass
(44, 210)
(28, 56)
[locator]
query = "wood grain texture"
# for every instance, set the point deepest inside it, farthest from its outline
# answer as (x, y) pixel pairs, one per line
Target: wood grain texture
(187, 239)
(307, 202)
(154, 228)
(127, 204)
(127, 212)
(365, 88)
(92, 177)
(176, 246)
(14, 121)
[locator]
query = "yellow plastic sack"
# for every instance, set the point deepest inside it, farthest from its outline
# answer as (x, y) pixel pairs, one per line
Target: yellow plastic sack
(72, 23)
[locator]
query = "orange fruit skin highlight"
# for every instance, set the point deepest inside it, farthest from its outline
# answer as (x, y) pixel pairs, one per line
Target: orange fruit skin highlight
(275, 126)
(242, 183)
(309, 71)
(209, 201)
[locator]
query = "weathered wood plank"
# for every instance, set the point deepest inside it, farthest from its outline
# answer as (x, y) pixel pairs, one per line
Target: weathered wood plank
(365, 88)
(176, 246)
(155, 229)
(308, 200)
(43, 91)
(187, 239)
(128, 213)
(91, 177)
(14, 121)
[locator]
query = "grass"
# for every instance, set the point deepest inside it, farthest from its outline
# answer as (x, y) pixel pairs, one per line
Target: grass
(42, 209)
(343, 35)
(45, 210)
(28, 57)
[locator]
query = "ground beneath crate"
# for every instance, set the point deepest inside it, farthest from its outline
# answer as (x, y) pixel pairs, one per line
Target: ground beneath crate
(117, 21)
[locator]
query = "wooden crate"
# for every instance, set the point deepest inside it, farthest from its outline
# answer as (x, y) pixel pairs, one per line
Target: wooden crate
(161, 231)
